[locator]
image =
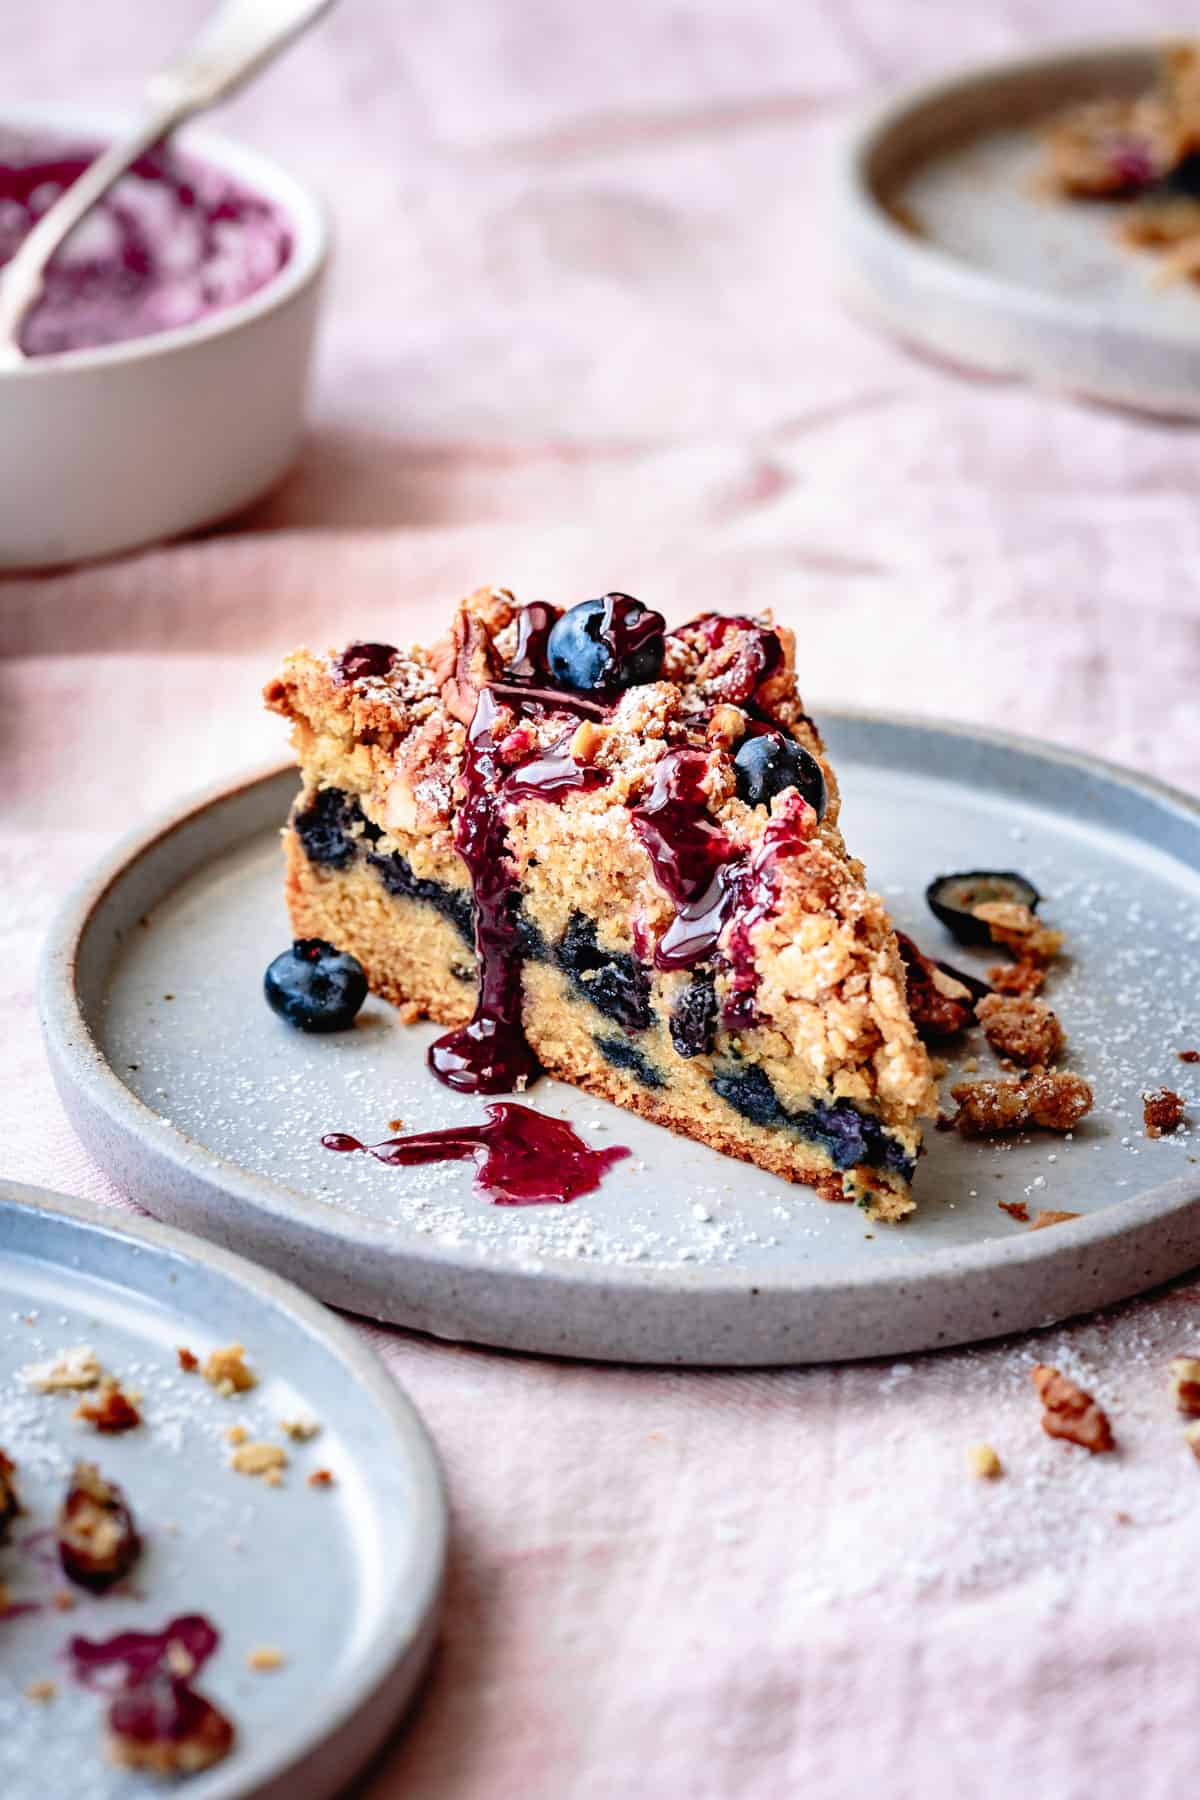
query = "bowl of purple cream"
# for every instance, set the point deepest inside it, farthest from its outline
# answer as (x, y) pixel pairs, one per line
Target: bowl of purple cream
(168, 356)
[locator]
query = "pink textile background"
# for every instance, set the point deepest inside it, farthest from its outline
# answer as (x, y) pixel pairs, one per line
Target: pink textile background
(580, 335)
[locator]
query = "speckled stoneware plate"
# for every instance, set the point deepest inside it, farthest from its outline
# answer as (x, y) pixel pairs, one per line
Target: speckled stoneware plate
(986, 270)
(343, 1580)
(211, 1111)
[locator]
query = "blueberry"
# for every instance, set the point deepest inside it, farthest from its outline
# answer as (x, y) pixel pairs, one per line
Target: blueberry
(607, 644)
(325, 828)
(693, 1021)
(614, 983)
(769, 762)
(315, 987)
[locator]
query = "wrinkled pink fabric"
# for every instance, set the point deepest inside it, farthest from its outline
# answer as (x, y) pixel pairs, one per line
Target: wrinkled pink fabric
(581, 336)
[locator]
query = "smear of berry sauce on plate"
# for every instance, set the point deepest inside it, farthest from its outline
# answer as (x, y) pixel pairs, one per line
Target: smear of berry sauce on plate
(138, 1654)
(149, 1675)
(522, 1157)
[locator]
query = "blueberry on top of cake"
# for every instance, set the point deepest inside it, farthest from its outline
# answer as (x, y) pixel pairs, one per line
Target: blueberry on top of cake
(592, 846)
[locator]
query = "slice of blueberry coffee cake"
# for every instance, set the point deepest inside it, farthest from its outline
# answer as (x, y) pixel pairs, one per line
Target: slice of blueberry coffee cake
(598, 848)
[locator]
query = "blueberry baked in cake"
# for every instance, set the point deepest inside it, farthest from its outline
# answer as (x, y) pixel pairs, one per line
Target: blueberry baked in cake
(594, 847)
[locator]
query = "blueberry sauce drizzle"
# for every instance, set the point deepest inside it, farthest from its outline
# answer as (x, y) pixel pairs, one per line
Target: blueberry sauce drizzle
(491, 1054)
(140, 1654)
(629, 629)
(756, 889)
(522, 1158)
(691, 857)
(149, 1675)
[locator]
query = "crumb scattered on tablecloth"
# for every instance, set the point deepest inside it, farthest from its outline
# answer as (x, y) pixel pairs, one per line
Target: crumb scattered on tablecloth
(984, 1462)
(1070, 1412)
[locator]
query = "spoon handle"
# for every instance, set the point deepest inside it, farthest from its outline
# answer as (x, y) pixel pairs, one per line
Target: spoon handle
(238, 40)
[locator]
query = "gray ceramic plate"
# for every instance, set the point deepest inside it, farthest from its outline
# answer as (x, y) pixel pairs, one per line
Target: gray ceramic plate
(998, 277)
(208, 1109)
(343, 1580)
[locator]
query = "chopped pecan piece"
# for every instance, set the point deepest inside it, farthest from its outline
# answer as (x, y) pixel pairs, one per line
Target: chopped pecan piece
(189, 1362)
(1189, 1056)
(1183, 1375)
(1054, 1100)
(1162, 1112)
(111, 1410)
(1021, 1027)
(1016, 1209)
(939, 1005)
(1068, 1412)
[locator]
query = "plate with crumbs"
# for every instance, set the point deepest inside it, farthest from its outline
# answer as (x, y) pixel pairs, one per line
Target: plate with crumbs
(953, 240)
(211, 1111)
(257, 1596)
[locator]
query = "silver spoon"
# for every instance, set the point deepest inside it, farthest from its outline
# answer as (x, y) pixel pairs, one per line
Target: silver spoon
(240, 38)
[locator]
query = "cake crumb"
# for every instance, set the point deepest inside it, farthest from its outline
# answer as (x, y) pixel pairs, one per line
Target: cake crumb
(1162, 1112)
(111, 1411)
(1070, 1413)
(984, 1463)
(1051, 1215)
(41, 1691)
(1183, 1378)
(265, 1657)
(1052, 1099)
(70, 1371)
(1020, 977)
(260, 1459)
(237, 1434)
(301, 1431)
(188, 1361)
(1021, 1027)
(410, 1012)
(226, 1370)
(320, 1478)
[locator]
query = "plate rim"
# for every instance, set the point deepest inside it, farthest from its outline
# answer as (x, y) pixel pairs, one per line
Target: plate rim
(875, 247)
(76, 1057)
(391, 1666)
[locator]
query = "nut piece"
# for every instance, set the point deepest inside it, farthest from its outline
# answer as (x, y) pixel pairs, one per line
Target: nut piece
(265, 1657)
(1049, 1216)
(1183, 1376)
(189, 1362)
(98, 1542)
(587, 741)
(1021, 1027)
(1016, 1209)
(69, 1371)
(111, 1411)
(984, 1462)
(1068, 1412)
(726, 726)
(1162, 1112)
(226, 1371)
(320, 1478)
(262, 1459)
(1019, 930)
(1052, 1099)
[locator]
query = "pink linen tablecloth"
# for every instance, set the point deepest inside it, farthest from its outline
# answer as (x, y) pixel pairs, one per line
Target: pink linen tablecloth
(581, 336)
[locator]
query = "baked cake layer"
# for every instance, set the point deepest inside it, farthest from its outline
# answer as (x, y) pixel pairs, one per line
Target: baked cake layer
(711, 960)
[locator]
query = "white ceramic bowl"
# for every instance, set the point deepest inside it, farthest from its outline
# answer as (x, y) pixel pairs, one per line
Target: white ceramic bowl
(104, 450)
